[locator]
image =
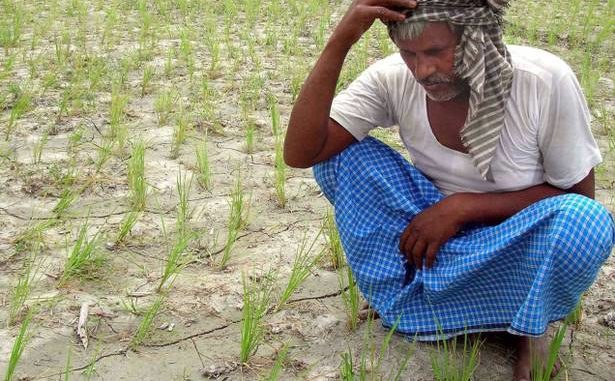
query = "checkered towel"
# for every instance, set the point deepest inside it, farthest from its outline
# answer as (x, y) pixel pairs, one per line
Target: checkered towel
(516, 276)
(482, 60)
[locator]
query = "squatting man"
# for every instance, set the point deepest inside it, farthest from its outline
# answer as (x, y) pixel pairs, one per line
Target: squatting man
(493, 227)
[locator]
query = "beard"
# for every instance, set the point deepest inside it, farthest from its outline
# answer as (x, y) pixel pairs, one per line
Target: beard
(450, 87)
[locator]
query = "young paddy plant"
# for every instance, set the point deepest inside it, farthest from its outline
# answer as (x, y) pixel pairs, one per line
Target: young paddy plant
(351, 297)
(145, 327)
(541, 371)
(84, 259)
(67, 198)
(148, 74)
(202, 163)
(126, 225)
(239, 207)
(450, 363)
(179, 133)
(303, 265)
(37, 150)
(164, 104)
(23, 288)
(19, 345)
(136, 177)
(371, 358)
(280, 173)
(334, 243)
(256, 299)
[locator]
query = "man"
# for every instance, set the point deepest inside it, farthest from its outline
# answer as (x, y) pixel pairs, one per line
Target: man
(493, 227)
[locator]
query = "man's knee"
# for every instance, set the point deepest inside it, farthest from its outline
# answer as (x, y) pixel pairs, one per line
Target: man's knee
(586, 222)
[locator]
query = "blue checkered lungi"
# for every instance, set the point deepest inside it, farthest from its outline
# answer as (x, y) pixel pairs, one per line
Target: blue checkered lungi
(517, 276)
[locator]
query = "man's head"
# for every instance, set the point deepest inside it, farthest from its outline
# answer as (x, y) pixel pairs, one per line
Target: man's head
(428, 49)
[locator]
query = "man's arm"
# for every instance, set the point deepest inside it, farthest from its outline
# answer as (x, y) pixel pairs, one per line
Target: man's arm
(312, 136)
(434, 226)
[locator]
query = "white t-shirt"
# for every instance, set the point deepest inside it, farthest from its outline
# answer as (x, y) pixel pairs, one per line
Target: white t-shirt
(546, 135)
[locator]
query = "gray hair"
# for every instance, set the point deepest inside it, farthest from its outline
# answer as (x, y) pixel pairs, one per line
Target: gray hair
(411, 30)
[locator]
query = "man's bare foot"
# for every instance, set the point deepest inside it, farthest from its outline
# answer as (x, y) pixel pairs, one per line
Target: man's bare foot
(529, 348)
(367, 312)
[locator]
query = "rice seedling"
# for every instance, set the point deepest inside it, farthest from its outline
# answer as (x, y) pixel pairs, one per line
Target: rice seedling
(371, 358)
(302, 267)
(332, 238)
(450, 365)
(179, 133)
(136, 177)
(202, 163)
(276, 369)
(183, 212)
(250, 130)
(11, 28)
(350, 296)
(275, 117)
(256, 298)
(32, 236)
(541, 371)
(280, 173)
(67, 198)
(148, 74)
(118, 110)
(37, 150)
(19, 345)
(237, 218)
(145, 327)
(103, 153)
(84, 259)
(126, 225)
(21, 106)
(131, 306)
(347, 367)
(23, 288)
(67, 365)
(164, 104)
(175, 261)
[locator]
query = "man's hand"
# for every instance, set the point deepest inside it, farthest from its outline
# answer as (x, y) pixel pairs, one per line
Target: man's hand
(362, 13)
(428, 231)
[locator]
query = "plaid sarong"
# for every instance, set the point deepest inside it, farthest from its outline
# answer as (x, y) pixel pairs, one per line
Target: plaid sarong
(516, 276)
(482, 60)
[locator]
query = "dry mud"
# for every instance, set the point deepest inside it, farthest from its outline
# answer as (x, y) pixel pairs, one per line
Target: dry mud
(203, 306)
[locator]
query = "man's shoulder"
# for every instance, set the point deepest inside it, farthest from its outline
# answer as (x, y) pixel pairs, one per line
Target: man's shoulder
(531, 63)
(391, 67)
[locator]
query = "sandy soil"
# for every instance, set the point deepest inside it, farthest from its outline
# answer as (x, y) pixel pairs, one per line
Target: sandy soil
(203, 306)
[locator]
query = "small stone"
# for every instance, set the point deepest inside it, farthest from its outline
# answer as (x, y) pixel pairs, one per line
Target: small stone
(608, 320)
(217, 370)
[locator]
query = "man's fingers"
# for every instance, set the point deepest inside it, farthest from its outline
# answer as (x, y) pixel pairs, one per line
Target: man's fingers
(408, 245)
(386, 14)
(418, 251)
(430, 257)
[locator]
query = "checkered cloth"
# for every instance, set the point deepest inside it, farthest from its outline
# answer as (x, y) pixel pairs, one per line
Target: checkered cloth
(516, 276)
(481, 58)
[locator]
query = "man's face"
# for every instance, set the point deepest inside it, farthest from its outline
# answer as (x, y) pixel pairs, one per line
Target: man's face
(431, 58)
